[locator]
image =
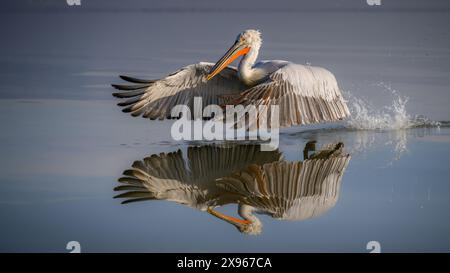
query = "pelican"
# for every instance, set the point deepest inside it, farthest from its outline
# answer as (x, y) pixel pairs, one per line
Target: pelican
(258, 182)
(305, 94)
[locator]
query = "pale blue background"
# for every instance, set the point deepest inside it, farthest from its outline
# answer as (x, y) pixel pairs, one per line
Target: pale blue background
(64, 143)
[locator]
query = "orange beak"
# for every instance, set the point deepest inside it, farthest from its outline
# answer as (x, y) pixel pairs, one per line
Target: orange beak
(239, 223)
(234, 52)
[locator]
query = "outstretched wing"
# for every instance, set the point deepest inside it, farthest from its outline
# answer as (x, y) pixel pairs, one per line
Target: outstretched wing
(168, 177)
(156, 177)
(304, 94)
(291, 190)
(155, 99)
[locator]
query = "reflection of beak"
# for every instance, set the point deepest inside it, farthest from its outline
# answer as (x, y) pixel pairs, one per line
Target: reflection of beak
(235, 51)
(239, 223)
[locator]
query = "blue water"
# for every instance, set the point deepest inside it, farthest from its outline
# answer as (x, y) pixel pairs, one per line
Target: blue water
(64, 142)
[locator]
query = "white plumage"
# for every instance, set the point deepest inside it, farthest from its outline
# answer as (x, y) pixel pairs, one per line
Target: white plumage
(155, 99)
(304, 94)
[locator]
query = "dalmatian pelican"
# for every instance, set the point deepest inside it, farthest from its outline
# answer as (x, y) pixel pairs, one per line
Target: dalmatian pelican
(304, 94)
(259, 182)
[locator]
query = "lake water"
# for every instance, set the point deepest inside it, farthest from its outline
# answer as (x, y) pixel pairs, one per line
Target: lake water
(65, 143)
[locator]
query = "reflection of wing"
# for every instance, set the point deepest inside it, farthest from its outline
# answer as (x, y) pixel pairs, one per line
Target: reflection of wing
(168, 177)
(155, 99)
(210, 162)
(304, 94)
(291, 190)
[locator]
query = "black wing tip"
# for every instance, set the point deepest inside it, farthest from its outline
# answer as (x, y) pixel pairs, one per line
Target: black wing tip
(116, 86)
(135, 80)
(118, 95)
(129, 94)
(129, 87)
(133, 200)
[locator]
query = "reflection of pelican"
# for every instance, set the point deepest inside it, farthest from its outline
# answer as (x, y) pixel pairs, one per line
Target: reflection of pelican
(192, 183)
(305, 94)
(286, 190)
(259, 182)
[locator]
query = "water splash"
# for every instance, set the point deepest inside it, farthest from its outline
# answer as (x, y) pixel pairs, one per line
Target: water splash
(392, 117)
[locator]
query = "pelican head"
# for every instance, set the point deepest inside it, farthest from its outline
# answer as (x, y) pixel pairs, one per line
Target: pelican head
(246, 41)
(250, 225)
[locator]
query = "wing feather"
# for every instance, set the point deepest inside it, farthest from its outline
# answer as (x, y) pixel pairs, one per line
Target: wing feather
(134, 80)
(154, 99)
(168, 176)
(292, 190)
(304, 94)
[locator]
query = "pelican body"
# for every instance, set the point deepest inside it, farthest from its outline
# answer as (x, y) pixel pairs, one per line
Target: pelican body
(305, 94)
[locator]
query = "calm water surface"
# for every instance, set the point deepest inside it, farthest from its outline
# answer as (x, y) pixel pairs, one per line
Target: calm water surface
(64, 143)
